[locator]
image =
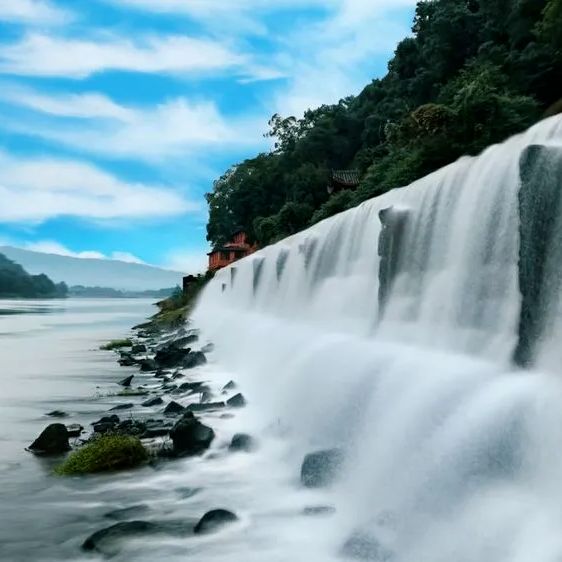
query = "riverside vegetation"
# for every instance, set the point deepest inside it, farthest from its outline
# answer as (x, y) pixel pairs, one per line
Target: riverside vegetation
(473, 73)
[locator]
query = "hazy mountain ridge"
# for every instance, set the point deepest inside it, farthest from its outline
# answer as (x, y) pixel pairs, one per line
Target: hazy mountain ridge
(94, 272)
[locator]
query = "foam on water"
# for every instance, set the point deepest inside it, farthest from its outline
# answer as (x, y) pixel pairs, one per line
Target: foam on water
(451, 452)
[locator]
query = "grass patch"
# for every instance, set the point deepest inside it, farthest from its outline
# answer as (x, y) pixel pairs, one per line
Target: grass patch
(117, 344)
(103, 454)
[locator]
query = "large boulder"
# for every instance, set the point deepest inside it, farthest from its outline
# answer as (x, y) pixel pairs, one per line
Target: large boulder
(138, 348)
(52, 441)
(362, 546)
(127, 381)
(148, 365)
(156, 401)
(237, 401)
(214, 520)
(205, 406)
(194, 359)
(242, 442)
(190, 436)
(171, 356)
(173, 408)
(109, 541)
(321, 468)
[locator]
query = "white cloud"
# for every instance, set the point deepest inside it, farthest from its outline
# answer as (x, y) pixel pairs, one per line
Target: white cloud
(34, 190)
(53, 247)
(173, 128)
(45, 55)
(192, 262)
(33, 12)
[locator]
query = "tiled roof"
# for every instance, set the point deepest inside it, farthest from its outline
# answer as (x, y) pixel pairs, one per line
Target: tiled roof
(346, 177)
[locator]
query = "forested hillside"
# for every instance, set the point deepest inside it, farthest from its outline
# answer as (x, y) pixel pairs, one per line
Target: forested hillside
(15, 282)
(473, 73)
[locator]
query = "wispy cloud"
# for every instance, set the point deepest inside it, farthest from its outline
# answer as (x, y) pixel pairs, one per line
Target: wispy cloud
(33, 12)
(173, 128)
(34, 190)
(53, 247)
(50, 55)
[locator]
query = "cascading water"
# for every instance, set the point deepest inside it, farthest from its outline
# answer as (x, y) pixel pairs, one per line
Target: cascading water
(392, 331)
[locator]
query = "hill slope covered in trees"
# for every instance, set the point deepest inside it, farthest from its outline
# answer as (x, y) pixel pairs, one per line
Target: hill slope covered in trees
(15, 282)
(473, 73)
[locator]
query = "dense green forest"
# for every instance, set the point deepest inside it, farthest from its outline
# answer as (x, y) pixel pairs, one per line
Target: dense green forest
(15, 282)
(473, 73)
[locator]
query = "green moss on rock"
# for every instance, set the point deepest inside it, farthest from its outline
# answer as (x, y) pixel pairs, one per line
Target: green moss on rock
(117, 344)
(103, 454)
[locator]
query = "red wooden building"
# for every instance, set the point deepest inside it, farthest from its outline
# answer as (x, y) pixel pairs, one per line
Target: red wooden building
(236, 249)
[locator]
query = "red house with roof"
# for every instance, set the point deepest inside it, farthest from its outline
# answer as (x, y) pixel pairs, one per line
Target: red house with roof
(237, 248)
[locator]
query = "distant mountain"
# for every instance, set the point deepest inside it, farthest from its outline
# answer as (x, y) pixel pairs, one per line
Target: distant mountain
(107, 293)
(15, 282)
(94, 272)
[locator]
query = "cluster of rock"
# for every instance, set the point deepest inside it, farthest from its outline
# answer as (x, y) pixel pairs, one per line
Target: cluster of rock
(173, 429)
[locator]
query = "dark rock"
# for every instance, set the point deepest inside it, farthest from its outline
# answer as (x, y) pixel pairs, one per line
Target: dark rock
(205, 406)
(161, 374)
(213, 520)
(114, 418)
(231, 385)
(156, 401)
(237, 401)
(169, 386)
(127, 360)
(127, 381)
(127, 406)
(105, 424)
(205, 396)
(321, 468)
(171, 355)
(361, 546)
(173, 408)
(194, 359)
(186, 340)
(242, 442)
(109, 541)
(178, 375)
(74, 430)
(52, 441)
(208, 348)
(540, 251)
(156, 431)
(127, 512)
(319, 510)
(148, 365)
(190, 436)
(57, 414)
(138, 348)
(193, 386)
(131, 427)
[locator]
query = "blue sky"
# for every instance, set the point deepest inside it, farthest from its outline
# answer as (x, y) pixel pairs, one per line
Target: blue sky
(117, 115)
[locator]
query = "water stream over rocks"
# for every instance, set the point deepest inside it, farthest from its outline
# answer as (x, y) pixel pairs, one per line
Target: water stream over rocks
(399, 370)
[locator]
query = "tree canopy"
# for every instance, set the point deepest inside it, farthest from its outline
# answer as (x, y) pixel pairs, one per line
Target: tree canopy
(473, 73)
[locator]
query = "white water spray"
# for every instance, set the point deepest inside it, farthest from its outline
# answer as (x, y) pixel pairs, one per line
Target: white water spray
(451, 452)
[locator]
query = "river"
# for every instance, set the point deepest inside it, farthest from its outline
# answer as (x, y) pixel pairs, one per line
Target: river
(51, 360)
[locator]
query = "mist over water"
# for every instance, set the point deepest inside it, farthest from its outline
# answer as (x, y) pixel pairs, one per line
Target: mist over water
(451, 452)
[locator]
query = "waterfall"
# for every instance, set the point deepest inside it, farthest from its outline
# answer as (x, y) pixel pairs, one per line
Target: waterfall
(420, 333)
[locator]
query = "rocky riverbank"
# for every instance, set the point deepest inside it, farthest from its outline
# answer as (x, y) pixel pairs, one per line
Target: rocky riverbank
(168, 414)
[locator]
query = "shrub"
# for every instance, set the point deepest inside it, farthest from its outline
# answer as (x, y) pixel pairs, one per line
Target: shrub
(103, 454)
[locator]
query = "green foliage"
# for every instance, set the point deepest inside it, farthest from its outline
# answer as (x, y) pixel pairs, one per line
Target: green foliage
(103, 454)
(473, 73)
(15, 282)
(116, 344)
